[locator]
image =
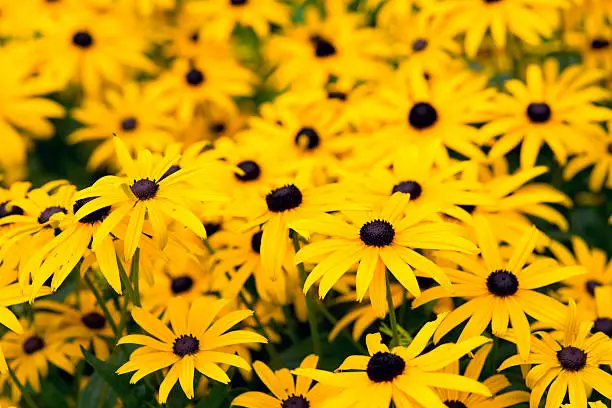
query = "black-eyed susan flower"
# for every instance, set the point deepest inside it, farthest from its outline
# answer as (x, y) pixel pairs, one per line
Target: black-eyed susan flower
(594, 44)
(195, 342)
(378, 240)
(34, 226)
(197, 81)
(430, 184)
(29, 352)
(414, 111)
(283, 206)
(287, 391)
(496, 384)
(517, 198)
(552, 107)
(62, 253)
(571, 365)
(501, 290)
(526, 19)
(221, 17)
(602, 318)
(598, 269)
(141, 114)
(339, 44)
(144, 190)
(24, 111)
(88, 49)
(597, 153)
(403, 375)
(83, 320)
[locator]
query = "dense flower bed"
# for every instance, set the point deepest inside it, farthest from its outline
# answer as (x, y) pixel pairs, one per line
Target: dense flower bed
(305, 204)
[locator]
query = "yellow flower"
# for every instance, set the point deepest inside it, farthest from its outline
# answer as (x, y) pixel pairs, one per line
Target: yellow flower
(219, 18)
(89, 49)
(339, 45)
(529, 20)
(83, 321)
(142, 114)
(415, 111)
(553, 107)
(23, 109)
(598, 272)
(379, 240)
(432, 185)
(496, 384)
(283, 206)
(34, 226)
(207, 80)
(402, 375)
(40, 343)
(501, 291)
(147, 189)
(572, 364)
(194, 343)
(597, 153)
(287, 391)
(516, 201)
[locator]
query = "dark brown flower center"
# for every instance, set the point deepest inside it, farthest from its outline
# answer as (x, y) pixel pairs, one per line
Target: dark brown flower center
(572, 358)
(144, 189)
(96, 216)
(539, 112)
(46, 215)
(341, 96)
(251, 171)
(129, 124)
(212, 228)
(186, 345)
(218, 128)
(408, 187)
(307, 138)
(600, 43)
(82, 39)
(384, 367)
(591, 285)
(323, 48)
(7, 209)
(295, 401)
(455, 404)
(181, 284)
(33, 344)
(422, 115)
(256, 241)
(195, 77)
(238, 2)
(284, 198)
(378, 233)
(603, 325)
(419, 45)
(94, 321)
(502, 283)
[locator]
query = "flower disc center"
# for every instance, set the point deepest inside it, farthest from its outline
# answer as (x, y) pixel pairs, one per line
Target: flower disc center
(572, 358)
(181, 284)
(384, 367)
(33, 344)
(408, 187)
(94, 321)
(186, 345)
(284, 198)
(422, 115)
(502, 283)
(251, 170)
(377, 233)
(144, 189)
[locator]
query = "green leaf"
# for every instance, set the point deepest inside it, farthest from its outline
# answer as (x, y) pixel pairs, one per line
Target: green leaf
(131, 395)
(99, 391)
(404, 337)
(216, 398)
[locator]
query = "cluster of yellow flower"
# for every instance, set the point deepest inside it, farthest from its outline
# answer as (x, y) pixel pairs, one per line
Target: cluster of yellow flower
(381, 154)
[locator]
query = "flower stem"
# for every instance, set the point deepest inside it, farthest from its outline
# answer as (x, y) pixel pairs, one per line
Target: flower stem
(102, 304)
(392, 317)
(25, 395)
(310, 301)
(134, 275)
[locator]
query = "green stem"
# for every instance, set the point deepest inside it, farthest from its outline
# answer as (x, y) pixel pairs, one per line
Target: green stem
(291, 326)
(25, 395)
(125, 280)
(98, 296)
(330, 318)
(134, 275)
(123, 320)
(310, 302)
(392, 317)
